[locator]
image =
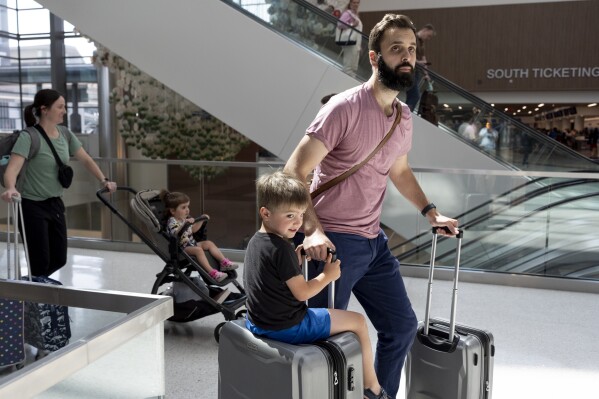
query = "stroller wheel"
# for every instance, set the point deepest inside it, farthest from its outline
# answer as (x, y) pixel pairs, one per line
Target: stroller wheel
(217, 331)
(241, 314)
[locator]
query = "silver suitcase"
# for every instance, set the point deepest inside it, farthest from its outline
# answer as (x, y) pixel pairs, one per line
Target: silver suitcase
(449, 360)
(253, 367)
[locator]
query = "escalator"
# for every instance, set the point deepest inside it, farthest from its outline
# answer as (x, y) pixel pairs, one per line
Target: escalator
(519, 147)
(222, 55)
(545, 226)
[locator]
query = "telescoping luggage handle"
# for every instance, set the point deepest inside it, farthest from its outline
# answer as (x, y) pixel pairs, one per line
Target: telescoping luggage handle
(331, 285)
(454, 296)
(15, 213)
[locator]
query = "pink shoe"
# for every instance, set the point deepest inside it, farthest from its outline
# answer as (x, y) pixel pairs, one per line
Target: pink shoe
(218, 276)
(226, 265)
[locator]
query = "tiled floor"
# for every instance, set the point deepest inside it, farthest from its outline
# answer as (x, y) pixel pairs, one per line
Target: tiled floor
(546, 344)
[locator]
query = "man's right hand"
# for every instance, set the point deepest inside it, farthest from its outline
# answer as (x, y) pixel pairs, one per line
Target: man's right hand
(316, 245)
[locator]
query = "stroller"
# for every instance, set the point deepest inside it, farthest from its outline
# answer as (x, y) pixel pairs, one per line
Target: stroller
(196, 294)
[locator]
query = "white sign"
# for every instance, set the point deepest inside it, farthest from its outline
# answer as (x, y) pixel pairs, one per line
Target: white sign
(543, 73)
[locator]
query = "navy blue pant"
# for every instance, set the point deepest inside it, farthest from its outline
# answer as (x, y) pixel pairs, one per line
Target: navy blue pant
(46, 230)
(371, 272)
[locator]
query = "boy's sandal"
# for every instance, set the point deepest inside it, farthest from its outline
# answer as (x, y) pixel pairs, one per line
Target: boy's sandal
(368, 394)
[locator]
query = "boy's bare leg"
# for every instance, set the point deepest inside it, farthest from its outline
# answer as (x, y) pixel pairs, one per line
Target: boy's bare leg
(343, 320)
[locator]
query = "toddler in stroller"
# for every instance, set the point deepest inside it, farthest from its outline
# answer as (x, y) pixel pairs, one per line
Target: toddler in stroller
(178, 224)
(196, 294)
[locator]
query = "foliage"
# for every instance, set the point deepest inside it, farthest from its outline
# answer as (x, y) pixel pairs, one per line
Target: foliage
(163, 124)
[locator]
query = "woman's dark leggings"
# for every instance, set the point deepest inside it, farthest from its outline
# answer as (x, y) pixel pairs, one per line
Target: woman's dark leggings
(46, 231)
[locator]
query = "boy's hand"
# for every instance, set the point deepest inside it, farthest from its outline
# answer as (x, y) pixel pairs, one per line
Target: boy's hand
(332, 270)
(190, 220)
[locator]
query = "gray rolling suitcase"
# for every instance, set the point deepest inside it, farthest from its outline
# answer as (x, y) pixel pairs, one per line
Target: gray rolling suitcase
(449, 360)
(253, 367)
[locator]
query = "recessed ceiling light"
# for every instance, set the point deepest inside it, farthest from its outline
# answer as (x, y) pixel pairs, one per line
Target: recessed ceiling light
(536, 109)
(592, 105)
(492, 105)
(446, 106)
(514, 113)
(529, 112)
(540, 105)
(506, 108)
(460, 107)
(524, 107)
(519, 110)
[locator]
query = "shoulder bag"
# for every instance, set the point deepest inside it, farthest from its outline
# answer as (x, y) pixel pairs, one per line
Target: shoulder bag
(65, 172)
(355, 168)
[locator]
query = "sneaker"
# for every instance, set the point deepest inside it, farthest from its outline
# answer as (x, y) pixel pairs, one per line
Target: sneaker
(226, 265)
(218, 276)
(368, 394)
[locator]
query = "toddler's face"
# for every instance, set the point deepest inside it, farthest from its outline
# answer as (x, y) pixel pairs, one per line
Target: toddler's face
(181, 212)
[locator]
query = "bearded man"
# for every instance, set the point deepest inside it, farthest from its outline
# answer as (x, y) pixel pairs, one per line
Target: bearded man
(346, 217)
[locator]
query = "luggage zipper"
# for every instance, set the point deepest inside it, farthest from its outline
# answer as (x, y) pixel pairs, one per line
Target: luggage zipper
(339, 365)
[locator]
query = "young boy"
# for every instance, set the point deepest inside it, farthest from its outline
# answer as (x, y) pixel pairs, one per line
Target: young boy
(276, 289)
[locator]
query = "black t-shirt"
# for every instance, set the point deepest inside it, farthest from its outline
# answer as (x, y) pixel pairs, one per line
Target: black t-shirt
(269, 262)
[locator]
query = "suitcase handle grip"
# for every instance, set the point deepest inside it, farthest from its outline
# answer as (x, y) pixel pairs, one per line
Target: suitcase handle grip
(331, 285)
(446, 229)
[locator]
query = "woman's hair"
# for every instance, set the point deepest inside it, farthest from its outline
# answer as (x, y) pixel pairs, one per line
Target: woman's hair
(43, 98)
(389, 21)
(172, 201)
(279, 188)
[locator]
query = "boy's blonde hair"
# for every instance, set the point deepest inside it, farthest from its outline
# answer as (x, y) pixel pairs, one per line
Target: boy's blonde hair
(279, 188)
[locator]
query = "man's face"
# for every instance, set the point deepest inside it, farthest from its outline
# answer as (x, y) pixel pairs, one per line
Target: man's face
(397, 58)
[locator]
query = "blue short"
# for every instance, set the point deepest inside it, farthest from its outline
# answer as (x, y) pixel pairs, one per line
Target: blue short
(315, 326)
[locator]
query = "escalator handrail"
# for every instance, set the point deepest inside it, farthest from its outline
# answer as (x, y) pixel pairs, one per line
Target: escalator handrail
(521, 218)
(488, 215)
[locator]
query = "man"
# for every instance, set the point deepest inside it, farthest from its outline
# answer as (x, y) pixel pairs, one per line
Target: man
(423, 35)
(346, 217)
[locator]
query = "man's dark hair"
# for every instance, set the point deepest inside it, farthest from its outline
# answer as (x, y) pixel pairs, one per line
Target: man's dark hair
(389, 21)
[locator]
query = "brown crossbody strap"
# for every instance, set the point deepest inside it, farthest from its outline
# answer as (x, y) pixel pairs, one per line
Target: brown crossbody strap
(355, 168)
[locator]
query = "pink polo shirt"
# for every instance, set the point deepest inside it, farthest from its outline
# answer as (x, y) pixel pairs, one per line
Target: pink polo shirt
(350, 126)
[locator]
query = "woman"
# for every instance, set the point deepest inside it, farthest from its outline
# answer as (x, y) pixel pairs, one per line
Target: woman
(43, 209)
(351, 54)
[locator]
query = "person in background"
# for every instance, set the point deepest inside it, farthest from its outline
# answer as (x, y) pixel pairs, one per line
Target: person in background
(488, 138)
(276, 288)
(43, 209)
(422, 36)
(176, 214)
(351, 54)
(347, 216)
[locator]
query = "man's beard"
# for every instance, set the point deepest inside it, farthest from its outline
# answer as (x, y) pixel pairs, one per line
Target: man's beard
(394, 79)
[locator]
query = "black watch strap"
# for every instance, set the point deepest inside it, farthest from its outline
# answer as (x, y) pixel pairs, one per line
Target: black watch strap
(427, 208)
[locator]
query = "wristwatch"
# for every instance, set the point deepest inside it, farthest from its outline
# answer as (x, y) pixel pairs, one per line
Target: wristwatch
(427, 208)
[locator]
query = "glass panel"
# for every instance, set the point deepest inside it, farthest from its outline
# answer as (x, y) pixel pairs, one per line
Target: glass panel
(82, 107)
(8, 23)
(133, 370)
(35, 52)
(34, 21)
(79, 47)
(26, 4)
(534, 228)
(10, 48)
(9, 70)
